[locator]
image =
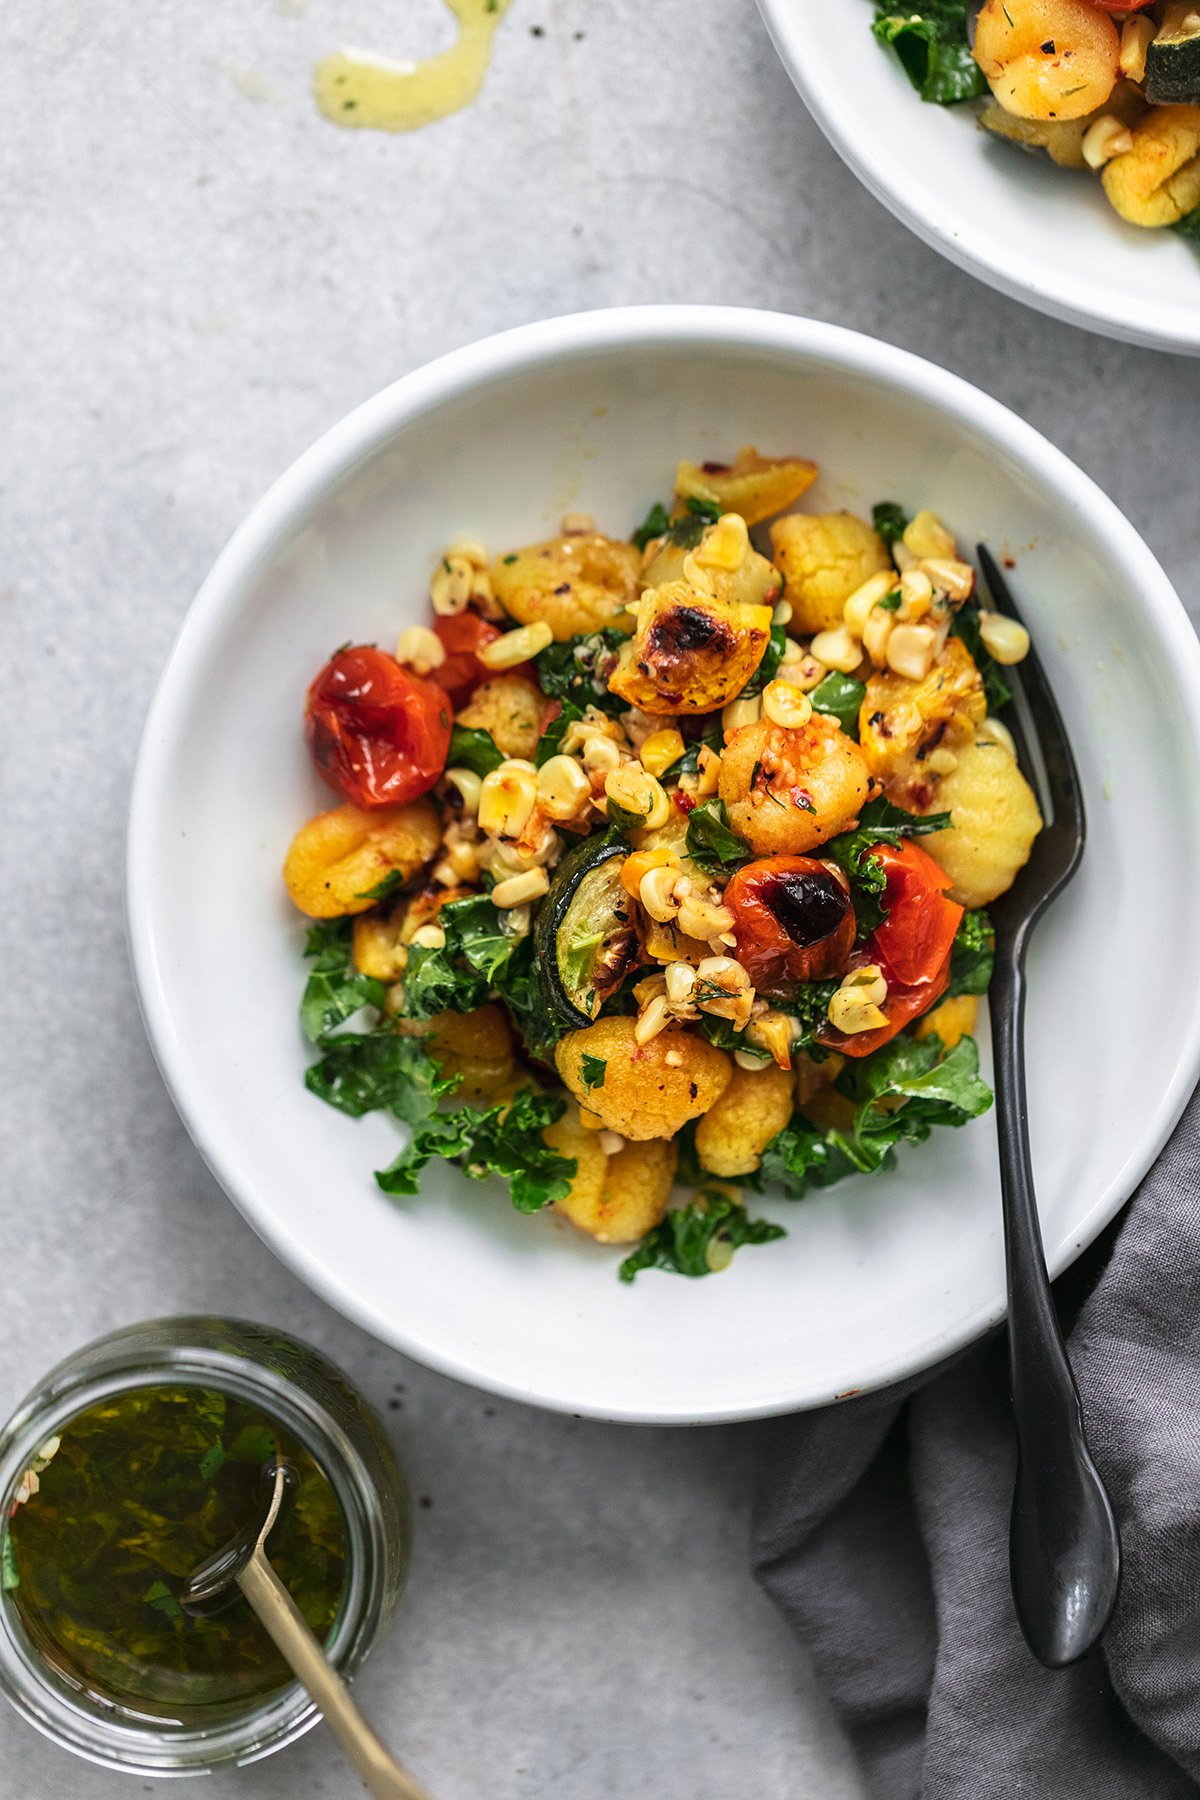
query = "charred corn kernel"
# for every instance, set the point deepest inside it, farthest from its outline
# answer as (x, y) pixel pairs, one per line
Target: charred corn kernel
(724, 989)
(651, 1020)
(703, 919)
(421, 649)
(517, 890)
(600, 754)
(800, 667)
(746, 711)
(941, 761)
(949, 576)
(636, 792)
(993, 732)
(577, 524)
(660, 750)
(724, 545)
(470, 550)
(876, 634)
(855, 1005)
(680, 978)
(1137, 34)
(1005, 640)
(562, 787)
(428, 937)
(469, 785)
(1105, 138)
(916, 594)
(506, 801)
(513, 647)
(450, 588)
(857, 609)
(837, 649)
(771, 1034)
(927, 536)
(911, 650)
(786, 705)
(636, 867)
(710, 772)
(782, 614)
(656, 891)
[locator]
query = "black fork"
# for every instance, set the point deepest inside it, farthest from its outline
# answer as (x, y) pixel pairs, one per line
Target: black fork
(1064, 1550)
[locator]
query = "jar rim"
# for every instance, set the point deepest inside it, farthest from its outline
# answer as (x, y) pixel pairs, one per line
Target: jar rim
(173, 1353)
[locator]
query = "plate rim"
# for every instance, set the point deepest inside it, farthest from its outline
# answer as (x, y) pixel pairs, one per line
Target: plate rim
(358, 436)
(1177, 330)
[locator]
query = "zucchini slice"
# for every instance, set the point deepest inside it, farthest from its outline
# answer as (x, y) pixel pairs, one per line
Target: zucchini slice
(1173, 57)
(584, 936)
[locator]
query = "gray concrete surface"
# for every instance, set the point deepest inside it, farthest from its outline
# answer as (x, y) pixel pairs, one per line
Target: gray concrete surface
(198, 275)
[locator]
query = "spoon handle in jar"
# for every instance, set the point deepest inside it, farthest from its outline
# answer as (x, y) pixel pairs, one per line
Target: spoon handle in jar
(378, 1769)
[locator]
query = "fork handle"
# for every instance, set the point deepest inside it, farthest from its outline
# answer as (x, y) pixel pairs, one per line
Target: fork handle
(1064, 1549)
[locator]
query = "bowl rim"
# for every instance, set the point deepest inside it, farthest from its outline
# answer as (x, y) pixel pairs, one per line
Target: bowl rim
(355, 439)
(963, 239)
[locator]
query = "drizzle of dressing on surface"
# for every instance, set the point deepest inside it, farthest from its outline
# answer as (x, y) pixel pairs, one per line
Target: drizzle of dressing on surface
(357, 89)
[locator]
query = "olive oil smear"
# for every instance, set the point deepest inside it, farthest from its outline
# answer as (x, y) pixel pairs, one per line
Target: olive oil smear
(136, 1491)
(356, 89)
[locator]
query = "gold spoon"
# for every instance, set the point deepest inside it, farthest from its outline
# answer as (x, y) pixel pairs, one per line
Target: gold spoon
(243, 1563)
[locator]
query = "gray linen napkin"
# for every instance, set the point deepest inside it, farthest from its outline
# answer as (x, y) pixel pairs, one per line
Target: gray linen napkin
(881, 1531)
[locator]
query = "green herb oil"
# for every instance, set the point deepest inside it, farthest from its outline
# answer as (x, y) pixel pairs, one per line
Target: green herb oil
(137, 1492)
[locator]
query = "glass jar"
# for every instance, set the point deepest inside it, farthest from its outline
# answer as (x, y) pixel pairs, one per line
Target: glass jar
(313, 1400)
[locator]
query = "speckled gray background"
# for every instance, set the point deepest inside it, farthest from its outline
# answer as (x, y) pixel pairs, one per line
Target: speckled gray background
(198, 275)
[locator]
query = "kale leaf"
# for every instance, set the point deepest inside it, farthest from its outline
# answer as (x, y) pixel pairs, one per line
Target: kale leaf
(335, 990)
(579, 670)
(899, 1094)
(458, 977)
(379, 1071)
(1189, 225)
(966, 626)
(712, 845)
(890, 521)
(656, 523)
(972, 955)
(505, 1139)
(769, 666)
(840, 696)
(699, 1239)
(473, 749)
(879, 822)
(933, 49)
(551, 740)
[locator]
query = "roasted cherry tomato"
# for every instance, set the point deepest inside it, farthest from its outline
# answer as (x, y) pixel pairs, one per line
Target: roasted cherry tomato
(793, 921)
(902, 1006)
(463, 636)
(915, 938)
(378, 733)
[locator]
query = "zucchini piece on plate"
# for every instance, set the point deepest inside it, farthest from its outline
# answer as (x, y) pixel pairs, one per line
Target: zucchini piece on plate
(584, 937)
(1173, 57)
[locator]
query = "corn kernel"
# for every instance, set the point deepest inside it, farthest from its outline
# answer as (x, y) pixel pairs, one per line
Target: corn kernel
(911, 650)
(513, 647)
(563, 788)
(725, 544)
(450, 587)
(639, 865)
(469, 785)
(660, 750)
(470, 550)
(837, 649)
(857, 609)
(949, 575)
(927, 536)
(879, 628)
(1105, 138)
(745, 711)
(518, 889)
(786, 705)
(506, 801)
(656, 891)
(421, 649)
(651, 1020)
(428, 937)
(1137, 34)
(992, 731)
(1006, 640)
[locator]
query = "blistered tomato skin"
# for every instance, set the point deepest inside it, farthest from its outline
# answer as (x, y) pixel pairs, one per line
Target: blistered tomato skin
(902, 1006)
(793, 921)
(914, 939)
(378, 734)
(463, 636)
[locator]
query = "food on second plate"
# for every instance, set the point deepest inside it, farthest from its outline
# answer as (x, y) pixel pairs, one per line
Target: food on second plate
(665, 860)
(1093, 86)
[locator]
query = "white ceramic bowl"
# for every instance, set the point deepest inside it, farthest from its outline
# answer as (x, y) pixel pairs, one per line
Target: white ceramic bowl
(877, 1277)
(1041, 234)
